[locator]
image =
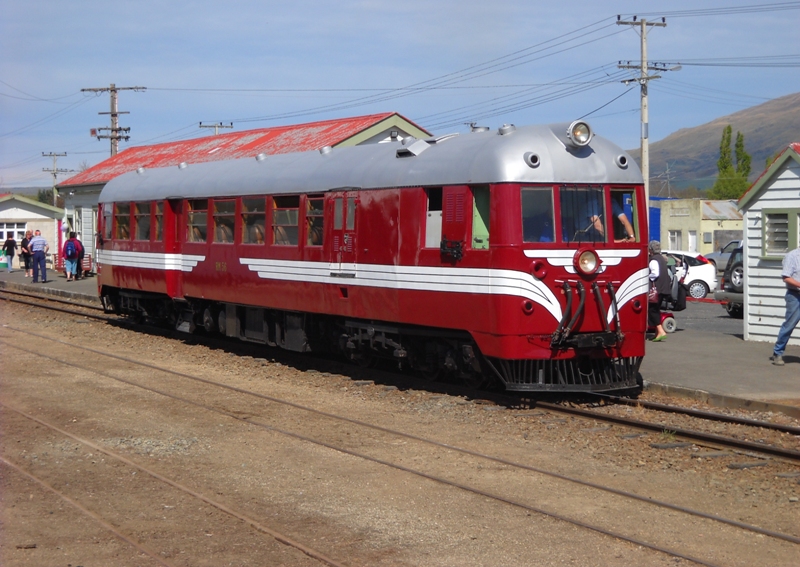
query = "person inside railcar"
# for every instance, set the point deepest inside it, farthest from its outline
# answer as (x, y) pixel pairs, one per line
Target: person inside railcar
(623, 228)
(537, 215)
(582, 214)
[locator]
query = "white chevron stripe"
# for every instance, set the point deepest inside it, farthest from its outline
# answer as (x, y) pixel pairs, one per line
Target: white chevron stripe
(149, 260)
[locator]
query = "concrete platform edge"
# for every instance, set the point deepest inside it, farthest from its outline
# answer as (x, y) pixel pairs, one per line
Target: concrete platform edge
(42, 290)
(721, 400)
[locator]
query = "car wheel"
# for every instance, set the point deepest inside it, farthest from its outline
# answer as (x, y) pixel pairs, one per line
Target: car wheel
(737, 277)
(698, 289)
(735, 310)
(669, 324)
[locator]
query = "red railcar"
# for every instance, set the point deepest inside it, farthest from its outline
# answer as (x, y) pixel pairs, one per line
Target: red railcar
(517, 255)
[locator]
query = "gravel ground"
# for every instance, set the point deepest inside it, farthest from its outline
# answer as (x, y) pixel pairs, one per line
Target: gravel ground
(350, 508)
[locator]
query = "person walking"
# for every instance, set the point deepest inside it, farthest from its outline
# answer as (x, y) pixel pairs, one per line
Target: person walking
(39, 247)
(71, 253)
(659, 280)
(26, 254)
(790, 273)
(10, 247)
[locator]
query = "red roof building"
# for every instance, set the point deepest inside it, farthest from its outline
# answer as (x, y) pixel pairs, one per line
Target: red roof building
(81, 192)
(249, 143)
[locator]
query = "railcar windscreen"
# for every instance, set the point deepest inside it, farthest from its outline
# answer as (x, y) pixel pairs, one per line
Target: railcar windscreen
(583, 217)
(537, 214)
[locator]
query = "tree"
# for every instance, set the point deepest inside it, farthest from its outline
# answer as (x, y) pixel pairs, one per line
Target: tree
(731, 180)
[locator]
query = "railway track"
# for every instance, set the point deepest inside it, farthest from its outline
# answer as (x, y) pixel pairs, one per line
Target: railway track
(712, 440)
(431, 442)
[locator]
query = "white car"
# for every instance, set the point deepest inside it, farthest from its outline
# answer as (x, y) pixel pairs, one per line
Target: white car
(702, 275)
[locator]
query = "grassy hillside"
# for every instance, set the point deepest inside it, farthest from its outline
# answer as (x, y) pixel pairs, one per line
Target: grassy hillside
(692, 153)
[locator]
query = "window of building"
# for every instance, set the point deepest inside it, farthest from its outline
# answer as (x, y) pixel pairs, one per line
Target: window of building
(285, 218)
(15, 230)
(254, 220)
(537, 215)
(781, 232)
(196, 220)
(314, 220)
(122, 221)
(224, 215)
(675, 240)
(142, 219)
(159, 218)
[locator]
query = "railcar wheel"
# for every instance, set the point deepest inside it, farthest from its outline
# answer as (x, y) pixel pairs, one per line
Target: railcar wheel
(222, 322)
(208, 321)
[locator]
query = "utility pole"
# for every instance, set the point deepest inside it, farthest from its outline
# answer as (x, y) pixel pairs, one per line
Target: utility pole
(643, 80)
(55, 171)
(115, 132)
(216, 126)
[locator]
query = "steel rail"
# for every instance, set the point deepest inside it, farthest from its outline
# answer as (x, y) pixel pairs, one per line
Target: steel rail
(284, 539)
(788, 454)
(252, 422)
(127, 539)
(622, 493)
(711, 416)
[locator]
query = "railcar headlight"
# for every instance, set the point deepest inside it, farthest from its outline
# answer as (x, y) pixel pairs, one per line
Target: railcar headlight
(579, 134)
(586, 261)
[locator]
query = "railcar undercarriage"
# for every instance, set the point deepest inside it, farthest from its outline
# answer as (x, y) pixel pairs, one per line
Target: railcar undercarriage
(436, 354)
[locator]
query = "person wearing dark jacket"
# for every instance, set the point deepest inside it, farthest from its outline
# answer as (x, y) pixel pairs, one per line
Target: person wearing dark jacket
(10, 247)
(659, 279)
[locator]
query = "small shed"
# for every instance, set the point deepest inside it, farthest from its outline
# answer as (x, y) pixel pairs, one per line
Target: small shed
(771, 209)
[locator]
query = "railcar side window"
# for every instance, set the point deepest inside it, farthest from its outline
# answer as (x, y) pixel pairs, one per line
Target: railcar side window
(107, 221)
(480, 218)
(159, 217)
(285, 220)
(142, 219)
(254, 220)
(583, 217)
(224, 214)
(196, 220)
(433, 218)
(122, 220)
(314, 220)
(537, 215)
(623, 215)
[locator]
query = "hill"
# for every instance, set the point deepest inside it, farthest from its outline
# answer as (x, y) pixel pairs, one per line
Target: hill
(692, 153)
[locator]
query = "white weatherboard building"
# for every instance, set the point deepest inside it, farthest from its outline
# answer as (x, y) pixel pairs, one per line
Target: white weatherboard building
(771, 209)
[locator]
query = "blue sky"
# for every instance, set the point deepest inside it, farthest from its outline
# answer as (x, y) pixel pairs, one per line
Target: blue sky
(441, 64)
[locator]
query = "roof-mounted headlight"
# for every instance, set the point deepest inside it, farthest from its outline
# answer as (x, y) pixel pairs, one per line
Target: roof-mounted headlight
(579, 134)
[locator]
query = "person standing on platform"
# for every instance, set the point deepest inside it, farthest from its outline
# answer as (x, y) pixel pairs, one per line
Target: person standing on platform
(10, 246)
(39, 247)
(26, 255)
(659, 279)
(71, 253)
(791, 277)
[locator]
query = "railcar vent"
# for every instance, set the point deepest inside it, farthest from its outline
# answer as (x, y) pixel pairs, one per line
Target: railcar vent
(582, 374)
(415, 148)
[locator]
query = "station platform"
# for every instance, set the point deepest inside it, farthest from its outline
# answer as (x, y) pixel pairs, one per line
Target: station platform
(717, 367)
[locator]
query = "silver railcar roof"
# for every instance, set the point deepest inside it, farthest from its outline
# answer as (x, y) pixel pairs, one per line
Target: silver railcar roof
(474, 158)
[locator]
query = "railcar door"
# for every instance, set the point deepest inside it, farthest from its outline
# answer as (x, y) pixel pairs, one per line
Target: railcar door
(173, 222)
(343, 237)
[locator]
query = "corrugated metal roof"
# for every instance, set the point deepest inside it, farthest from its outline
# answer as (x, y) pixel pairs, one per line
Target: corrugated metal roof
(721, 210)
(248, 143)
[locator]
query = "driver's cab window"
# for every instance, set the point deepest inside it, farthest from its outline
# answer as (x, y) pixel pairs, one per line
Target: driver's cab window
(537, 215)
(623, 215)
(583, 217)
